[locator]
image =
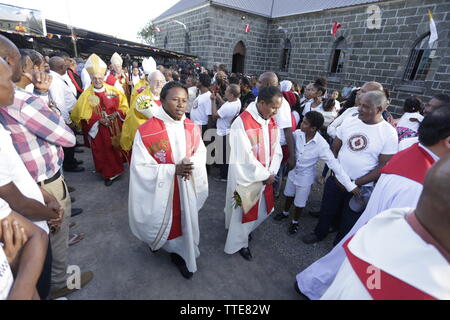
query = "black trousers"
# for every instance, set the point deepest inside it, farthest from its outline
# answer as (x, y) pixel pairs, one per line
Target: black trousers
(225, 162)
(69, 158)
(44, 282)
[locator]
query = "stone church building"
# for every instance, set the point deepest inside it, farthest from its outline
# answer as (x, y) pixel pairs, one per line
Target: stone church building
(385, 41)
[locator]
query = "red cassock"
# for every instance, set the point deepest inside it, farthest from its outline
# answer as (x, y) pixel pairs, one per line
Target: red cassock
(108, 160)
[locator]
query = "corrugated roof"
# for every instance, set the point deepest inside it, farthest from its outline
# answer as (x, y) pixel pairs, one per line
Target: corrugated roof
(267, 8)
(180, 6)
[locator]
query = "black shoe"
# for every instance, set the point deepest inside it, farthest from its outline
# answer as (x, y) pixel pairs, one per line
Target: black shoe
(108, 182)
(250, 238)
(246, 254)
(76, 169)
(78, 150)
(297, 289)
(181, 265)
(315, 214)
(280, 217)
(310, 238)
(79, 162)
(293, 229)
(72, 200)
(76, 212)
(71, 189)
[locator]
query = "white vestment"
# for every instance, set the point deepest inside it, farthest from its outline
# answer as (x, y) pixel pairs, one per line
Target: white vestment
(151, 194)
(244, 170)
(391, 191)
(388, 242)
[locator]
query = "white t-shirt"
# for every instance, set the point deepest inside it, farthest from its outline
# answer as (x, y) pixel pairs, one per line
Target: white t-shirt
(404, 121)
(284, 120)
(227, 112)
(362, 144)
(192, 96)
(406, 143)
(6, 276)
(337, 105)
(309, 108)
(201, 109)
(12, 169)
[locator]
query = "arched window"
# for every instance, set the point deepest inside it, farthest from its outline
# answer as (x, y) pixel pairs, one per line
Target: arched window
(420, 59)
(338, 56)
(286, 55)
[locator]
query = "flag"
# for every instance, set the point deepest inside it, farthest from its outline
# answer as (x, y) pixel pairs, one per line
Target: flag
(157, 29)
(335, 28)
(433, 30)
(247, 28)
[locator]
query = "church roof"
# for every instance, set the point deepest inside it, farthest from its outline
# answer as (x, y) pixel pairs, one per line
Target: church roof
(266, 8)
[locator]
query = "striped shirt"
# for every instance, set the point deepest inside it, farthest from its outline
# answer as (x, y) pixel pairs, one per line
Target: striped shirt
(38, 134)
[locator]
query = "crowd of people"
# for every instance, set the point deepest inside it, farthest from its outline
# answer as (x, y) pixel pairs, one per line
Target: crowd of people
(173, 125)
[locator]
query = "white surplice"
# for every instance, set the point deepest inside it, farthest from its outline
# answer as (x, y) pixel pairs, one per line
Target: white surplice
(245, 170)
(389, 243)
(391, 191)
(151, 194)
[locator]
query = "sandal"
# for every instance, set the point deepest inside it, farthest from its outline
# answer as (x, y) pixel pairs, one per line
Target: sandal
(73, 224)
(75, 238)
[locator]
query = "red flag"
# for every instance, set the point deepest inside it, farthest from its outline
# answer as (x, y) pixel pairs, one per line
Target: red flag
(335, 28)
(157, 29)
(247, 28)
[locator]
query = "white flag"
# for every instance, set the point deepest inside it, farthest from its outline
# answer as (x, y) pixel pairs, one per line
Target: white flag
(433, 30)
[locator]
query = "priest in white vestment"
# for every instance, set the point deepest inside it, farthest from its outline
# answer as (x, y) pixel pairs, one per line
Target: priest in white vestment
(254, 161)
(168, 181)
(399, 186)
(401, 254)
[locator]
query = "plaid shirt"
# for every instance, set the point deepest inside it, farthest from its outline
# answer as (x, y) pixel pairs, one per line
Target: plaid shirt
(38, 134)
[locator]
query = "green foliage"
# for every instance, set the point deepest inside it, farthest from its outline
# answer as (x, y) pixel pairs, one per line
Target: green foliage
(147, 34)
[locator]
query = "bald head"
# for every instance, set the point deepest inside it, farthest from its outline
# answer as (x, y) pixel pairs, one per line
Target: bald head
(268, 79)
(10, 53)
(368, 87)
(433, 209)
(6, 85)
(58, 65)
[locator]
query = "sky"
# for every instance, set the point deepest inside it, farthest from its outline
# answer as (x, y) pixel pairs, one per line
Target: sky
(120, 18)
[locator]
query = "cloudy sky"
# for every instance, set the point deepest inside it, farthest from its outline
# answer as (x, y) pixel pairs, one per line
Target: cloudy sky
(120, 18)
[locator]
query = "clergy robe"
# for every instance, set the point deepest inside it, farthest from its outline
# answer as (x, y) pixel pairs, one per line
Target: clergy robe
(410, 264)
(140, 111)
(396, 188)
(138, 88)
(163, 207)
(108, 159)
(248, 165)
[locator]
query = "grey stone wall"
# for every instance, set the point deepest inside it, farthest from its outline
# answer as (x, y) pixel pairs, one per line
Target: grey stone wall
(371, 55)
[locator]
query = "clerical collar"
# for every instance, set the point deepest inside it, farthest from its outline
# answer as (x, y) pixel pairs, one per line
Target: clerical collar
(167, 117)
(418, 228)
(100, 90)
(431, 153)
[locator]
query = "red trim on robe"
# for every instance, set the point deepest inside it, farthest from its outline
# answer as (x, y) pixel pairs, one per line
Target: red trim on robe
(390, 288)
(412, 163)
(256, 136)
(111, 80)
(158, 145)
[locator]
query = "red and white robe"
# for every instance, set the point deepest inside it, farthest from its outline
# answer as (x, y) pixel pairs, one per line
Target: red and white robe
(163, 207)
(399, 186)
(255, 156)
(393, 257)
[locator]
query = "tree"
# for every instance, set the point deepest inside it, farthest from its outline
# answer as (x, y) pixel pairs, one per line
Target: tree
(148, 33)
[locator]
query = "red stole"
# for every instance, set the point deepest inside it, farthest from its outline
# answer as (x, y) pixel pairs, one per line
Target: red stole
(256, 136)
(390, 288)
(156, 140)
(412, 163)
(111, 80)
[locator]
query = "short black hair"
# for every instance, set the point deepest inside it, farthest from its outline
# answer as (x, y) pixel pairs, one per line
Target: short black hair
(413, 104)
(267, 94)
(435, 126)
(23, 57)
(35, 57)
(205, 80)
(233, 80)
(315, 119)
(171, 85)
(445, 98)
(245, 82)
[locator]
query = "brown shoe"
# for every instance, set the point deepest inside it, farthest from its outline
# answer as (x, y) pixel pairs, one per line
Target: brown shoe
(86, 277)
